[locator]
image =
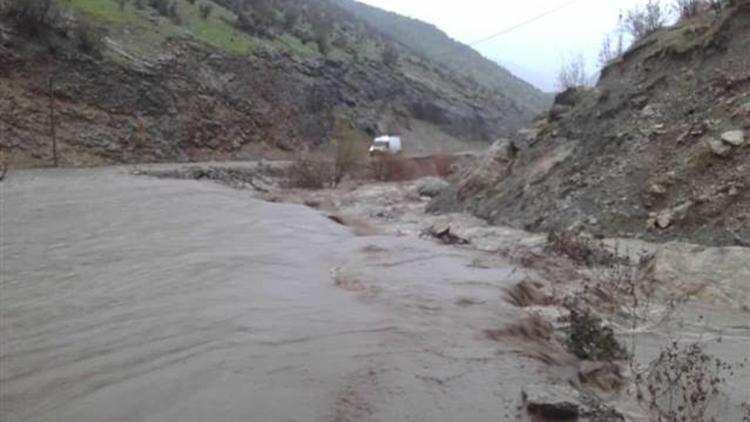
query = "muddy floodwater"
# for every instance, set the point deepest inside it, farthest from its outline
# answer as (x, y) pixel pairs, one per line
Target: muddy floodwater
(128, 298)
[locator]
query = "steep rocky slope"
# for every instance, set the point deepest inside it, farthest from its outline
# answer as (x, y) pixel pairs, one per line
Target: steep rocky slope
(250, 77)
(659, 149)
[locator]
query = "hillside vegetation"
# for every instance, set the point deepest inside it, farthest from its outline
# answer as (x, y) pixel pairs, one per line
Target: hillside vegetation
(155, 80)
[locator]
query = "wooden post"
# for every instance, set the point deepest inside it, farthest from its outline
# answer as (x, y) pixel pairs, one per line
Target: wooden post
(52, 119)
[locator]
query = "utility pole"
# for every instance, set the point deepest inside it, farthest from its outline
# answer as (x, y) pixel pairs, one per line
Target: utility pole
(52, 118)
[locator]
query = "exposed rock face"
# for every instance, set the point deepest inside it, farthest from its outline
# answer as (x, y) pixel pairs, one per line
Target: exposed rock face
(709, 275)
(623, 158)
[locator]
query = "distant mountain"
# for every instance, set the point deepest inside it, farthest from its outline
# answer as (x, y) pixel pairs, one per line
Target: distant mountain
(435, 45)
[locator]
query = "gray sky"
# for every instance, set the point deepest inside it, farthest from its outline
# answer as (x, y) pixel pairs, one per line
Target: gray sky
(534, 51)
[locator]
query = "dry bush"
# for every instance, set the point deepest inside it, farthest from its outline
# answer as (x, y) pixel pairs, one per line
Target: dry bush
(641, 22)
(580, 250)
(350, 151)
(307, 173)
(687, 9)
(572, 74)
(345, 156)
(681, 384)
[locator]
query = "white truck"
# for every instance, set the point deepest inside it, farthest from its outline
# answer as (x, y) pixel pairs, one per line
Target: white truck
(390, 145)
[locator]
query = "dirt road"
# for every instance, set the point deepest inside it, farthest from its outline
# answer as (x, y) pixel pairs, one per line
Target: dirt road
(127, 298)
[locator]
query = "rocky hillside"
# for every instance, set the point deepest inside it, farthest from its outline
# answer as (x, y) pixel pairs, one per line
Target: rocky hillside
(659, 149)
(161, 80)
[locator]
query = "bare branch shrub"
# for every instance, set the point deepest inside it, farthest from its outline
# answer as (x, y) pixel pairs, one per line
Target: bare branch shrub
(350, 151)
(581, 250)
(572, 74)
(688, 8)
(344, 156)
(642, 22)
(682, 383)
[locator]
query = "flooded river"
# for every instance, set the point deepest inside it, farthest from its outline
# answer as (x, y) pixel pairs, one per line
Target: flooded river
(128, 298)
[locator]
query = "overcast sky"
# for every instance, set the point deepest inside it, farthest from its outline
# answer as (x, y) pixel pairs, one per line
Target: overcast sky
(534, 51)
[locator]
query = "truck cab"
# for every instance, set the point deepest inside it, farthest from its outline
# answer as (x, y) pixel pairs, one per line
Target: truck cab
(390, 145)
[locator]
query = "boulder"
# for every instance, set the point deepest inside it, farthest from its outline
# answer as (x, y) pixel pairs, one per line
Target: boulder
(664, 219)
(657, 189)
(432, 186)
(667, 217)
(717, 276)
(552, 402)
(734, 137)
(562, 403)
(717, 147)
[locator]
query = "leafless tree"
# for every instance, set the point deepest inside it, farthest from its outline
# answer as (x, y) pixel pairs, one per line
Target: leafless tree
(641, 22)
(573, 73)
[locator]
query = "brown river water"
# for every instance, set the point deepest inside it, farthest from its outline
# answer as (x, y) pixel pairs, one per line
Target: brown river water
(129, 298)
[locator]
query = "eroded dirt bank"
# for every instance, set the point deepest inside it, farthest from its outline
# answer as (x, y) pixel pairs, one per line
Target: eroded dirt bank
(133, 298)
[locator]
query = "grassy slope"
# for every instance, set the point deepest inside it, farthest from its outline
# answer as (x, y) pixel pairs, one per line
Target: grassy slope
(142, 32)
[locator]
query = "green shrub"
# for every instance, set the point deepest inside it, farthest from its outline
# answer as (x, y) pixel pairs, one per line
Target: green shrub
(590, 339)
